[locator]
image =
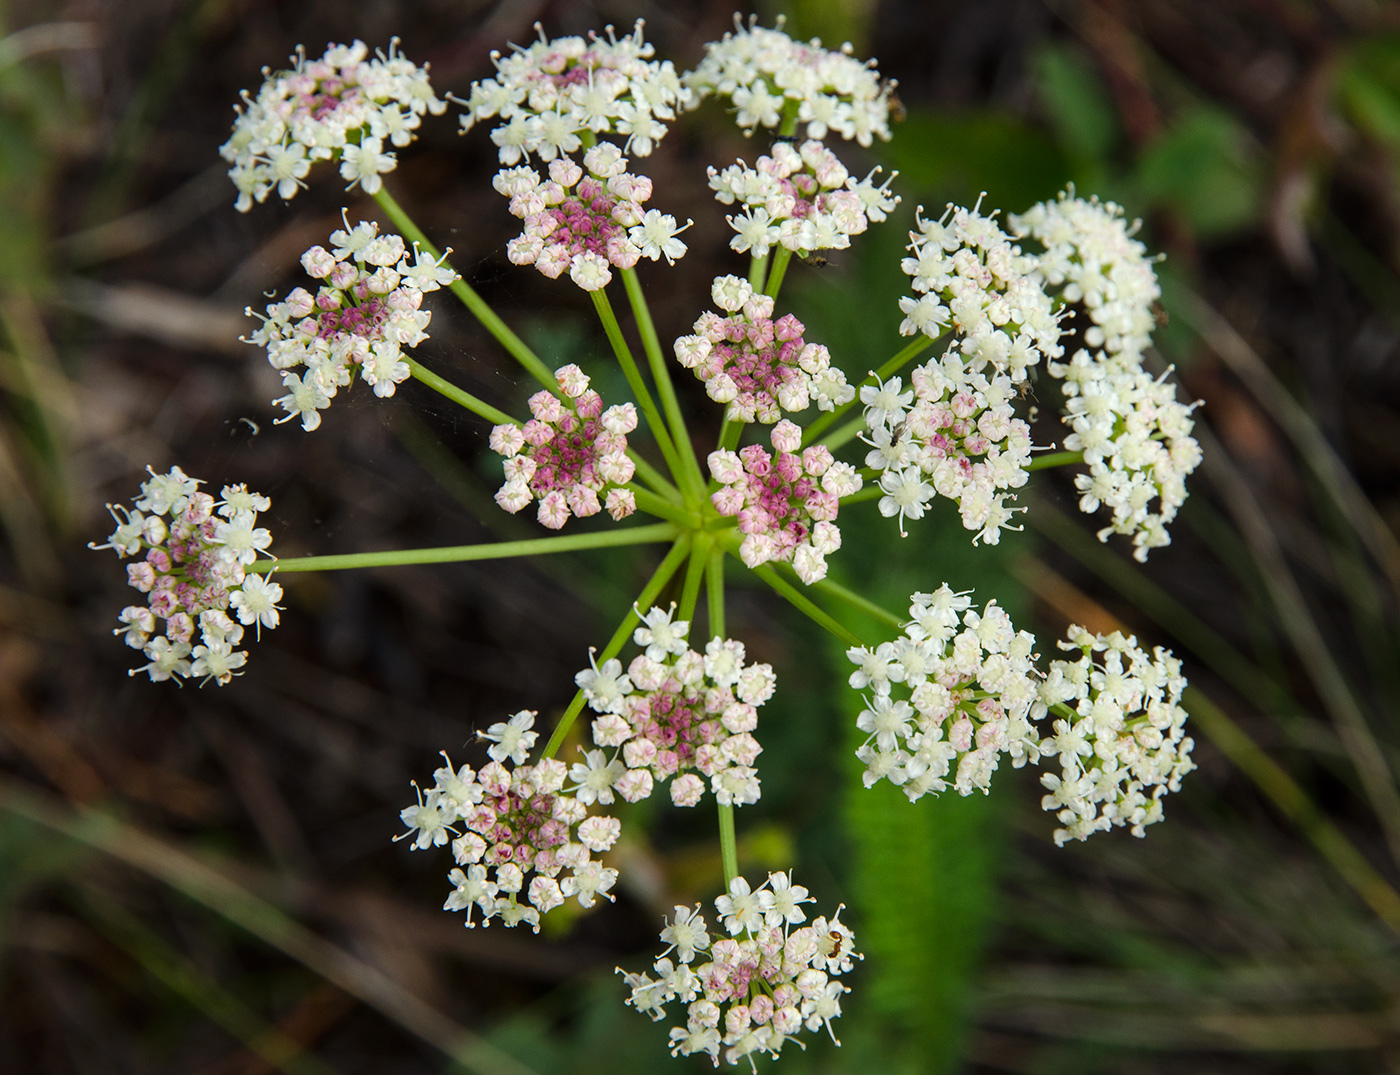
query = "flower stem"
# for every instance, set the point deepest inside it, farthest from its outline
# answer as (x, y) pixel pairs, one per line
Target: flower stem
(664, 571)
(714, 590)
(469, 298)
(845, 434)
(872, 491)
(728, 845)
(654, 477)
(639, 387)
(651, 344)
(822, 423)
(758, 269)
(499, 550)
(694, 574)
(775, 278)
(662, 508)
(458, 395)
(855, 600)
(805, 605)
(1055, 459)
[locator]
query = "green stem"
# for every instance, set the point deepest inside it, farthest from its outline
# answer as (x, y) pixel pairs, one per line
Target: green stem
(469, 298)
(695, 574)
(457, 395)
(499, 550)
(714, 591)
(819, 425)
(775, 278)
(872, 491)
(845, 434)
(651, 344)
(758, 269)
(654, 477)
(639, 386)
(1055, 459)
(805, 605)
(855, 600)
(662, 508)
(664, 571)
(728, 845)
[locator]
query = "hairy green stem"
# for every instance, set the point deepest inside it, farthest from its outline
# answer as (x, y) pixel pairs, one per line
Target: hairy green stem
(663, 574)
(457, 395)
(639, 387)
(823, 422)
(499, 550)
(469, 298)
(651, 344)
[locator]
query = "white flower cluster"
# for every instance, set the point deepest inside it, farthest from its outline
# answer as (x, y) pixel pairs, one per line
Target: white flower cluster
(769, 77)
(1120, 741)
(786, 503)
(588, 220)
(800, 198)
(759, 366)
(1136, 439)
(971, 697)
(674, 711)
(515, 820)
(1092, 257)
(344, 105)
(195, 572)
(971, 276)
(757, 990)
(366, 310)
(953, 433)
(567, 453)
(545, 95)
(1135, 435)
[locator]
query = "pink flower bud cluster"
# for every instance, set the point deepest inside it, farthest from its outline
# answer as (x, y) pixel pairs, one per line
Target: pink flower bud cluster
(759, 366)
(954, 434)
(1121, 741)
(970, 697)
(343, 105)
(571, 451)
(802, 199)
(365, 312)
(194, 573)
(548, 93)
(675, 713)
(586, 220)
(759, 987)
(522, 844)
(972, 278)
(764, 72)
(785, 502)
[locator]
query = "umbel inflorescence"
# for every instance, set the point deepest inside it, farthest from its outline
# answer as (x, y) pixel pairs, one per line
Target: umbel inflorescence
(806, 435)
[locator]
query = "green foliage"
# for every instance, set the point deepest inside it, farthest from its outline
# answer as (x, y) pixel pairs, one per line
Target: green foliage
(1368, 87)
(1079, 109)
(1203, 166)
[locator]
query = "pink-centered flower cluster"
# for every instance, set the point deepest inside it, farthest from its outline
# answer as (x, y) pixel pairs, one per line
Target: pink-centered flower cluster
(954, 433)
(785, 502)
(344, 105)
(760, 986)
(545, 95)
(758, 365)
(971, 697)
(367, 309)
(586, 220)
(569, 453)
(800, 198)
(676, 712)
(523, 844)
(195, 573)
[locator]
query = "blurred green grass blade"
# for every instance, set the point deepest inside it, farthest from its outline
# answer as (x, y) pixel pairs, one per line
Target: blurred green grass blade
(1080, 107)
(178, 974)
